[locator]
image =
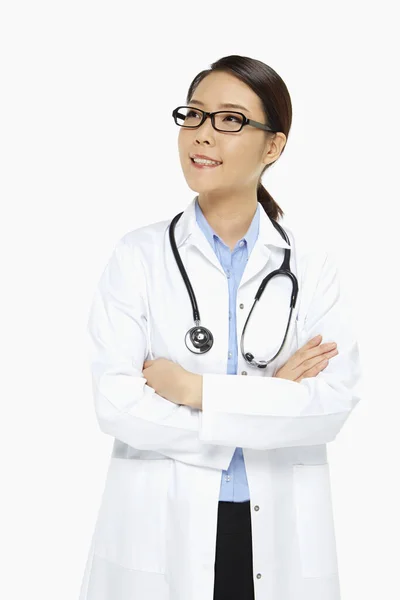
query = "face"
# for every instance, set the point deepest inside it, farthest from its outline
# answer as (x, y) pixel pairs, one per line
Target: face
(243, 154)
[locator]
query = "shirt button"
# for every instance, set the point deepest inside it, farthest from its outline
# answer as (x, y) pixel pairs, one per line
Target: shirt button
(241, 243)
(258, 575)
(227, 478)
(229, 354)
(244, 372)
(228, 274)
(230, 316)
(241, 305)
(256, 508)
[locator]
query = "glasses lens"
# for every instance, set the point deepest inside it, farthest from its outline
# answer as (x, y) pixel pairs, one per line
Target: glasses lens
(228, 121)
(188, 117)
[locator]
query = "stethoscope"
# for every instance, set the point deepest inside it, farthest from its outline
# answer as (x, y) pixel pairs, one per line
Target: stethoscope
(199, 339)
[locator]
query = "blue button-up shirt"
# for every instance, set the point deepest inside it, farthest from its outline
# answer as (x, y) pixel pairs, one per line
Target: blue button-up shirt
(234, 486)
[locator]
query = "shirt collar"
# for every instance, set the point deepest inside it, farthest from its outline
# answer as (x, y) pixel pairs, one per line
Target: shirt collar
(188, 223)
(250, 237)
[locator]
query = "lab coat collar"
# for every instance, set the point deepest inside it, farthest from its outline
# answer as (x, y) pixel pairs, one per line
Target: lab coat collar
(187, 229)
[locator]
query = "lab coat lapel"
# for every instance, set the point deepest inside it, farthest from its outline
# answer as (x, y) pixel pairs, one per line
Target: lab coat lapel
(199, 241)
(187, 231)
(267, 236)
(256, 262)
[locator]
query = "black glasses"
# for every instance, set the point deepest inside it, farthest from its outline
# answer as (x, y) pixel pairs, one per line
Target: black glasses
(187, 116)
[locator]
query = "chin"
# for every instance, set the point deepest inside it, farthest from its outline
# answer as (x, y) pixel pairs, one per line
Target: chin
(198, 186)
(205, 189)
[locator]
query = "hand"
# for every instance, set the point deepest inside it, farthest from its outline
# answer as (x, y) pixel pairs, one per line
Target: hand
(168, 379)
(308, 361)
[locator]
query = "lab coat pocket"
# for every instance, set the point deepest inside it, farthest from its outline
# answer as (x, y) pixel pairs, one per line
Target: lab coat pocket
(314, 520)
(131, 525)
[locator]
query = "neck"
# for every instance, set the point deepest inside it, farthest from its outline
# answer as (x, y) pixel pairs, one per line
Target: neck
(230, 217)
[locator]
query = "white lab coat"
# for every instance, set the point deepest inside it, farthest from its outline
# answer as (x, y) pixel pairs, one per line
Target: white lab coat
(155, 534)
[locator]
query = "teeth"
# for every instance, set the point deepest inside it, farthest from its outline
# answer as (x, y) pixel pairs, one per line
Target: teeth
(204, 161)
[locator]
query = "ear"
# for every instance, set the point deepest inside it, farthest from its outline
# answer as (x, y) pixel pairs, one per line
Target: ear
(274, 147)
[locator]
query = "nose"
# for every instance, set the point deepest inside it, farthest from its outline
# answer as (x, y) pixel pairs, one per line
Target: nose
(205, 130)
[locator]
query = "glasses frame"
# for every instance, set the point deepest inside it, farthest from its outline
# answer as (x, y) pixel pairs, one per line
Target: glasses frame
(246, 120)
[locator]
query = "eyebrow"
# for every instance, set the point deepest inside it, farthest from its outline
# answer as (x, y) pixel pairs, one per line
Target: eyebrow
(223, 105)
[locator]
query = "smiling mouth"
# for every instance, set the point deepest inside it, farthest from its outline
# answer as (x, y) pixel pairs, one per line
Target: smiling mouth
(204, 165)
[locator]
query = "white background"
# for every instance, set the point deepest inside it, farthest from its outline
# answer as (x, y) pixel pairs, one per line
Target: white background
(80, 167)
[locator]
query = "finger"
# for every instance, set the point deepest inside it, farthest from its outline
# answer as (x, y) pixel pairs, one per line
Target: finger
(313, 371)
(305, 354)
(316, 360)
(323, 349)
(309, 350)
(309, 360)
(314, 341)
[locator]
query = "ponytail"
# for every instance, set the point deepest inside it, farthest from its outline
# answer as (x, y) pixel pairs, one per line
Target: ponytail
(272, 209)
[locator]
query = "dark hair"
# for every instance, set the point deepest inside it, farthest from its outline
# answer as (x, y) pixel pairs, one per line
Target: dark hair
(275, 98)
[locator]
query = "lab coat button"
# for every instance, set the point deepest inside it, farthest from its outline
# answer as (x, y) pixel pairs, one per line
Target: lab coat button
(244, 372)
(258, 575)
(256, 508)
(241, 305)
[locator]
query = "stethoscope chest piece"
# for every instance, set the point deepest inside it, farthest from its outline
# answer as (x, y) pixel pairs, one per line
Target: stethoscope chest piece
(199, 340)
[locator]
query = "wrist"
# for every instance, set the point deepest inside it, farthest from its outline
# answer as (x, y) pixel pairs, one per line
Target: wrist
(194, 390)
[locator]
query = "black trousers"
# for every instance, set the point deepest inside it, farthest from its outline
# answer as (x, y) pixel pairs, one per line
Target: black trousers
(234, 556)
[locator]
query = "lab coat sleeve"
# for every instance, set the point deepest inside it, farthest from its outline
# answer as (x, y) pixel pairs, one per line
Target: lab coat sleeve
(269, 412)
(126, 407)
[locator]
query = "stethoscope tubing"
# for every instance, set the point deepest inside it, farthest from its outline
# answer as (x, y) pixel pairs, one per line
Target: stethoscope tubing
(200, 337)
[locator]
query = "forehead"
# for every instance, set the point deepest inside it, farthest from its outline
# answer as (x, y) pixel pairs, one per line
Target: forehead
(220, 88)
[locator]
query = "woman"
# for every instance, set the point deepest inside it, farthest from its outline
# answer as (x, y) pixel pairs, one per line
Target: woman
(218, 485)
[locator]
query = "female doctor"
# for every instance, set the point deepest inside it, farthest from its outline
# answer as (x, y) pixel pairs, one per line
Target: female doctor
(223, 363)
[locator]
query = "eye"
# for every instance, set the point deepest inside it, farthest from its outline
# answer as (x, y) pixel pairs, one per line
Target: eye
(237, 119)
